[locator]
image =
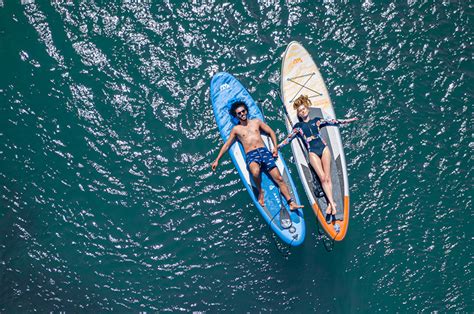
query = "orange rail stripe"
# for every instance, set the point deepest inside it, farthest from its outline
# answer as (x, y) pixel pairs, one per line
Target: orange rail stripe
(329, 228)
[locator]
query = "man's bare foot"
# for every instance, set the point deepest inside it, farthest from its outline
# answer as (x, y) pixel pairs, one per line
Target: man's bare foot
(334, 210)
(294, 206)
(261, 198)
(329, 209)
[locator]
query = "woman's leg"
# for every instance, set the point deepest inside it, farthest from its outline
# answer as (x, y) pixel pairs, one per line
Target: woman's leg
(326, 160)
(317, 165)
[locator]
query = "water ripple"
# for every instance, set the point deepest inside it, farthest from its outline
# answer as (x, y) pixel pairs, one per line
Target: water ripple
(108, 199)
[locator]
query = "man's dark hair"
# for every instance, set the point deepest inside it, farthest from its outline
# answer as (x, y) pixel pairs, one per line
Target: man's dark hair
(236, 105)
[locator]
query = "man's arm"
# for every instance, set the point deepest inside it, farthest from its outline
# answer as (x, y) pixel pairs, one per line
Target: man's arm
(264, 127)
(224, 148)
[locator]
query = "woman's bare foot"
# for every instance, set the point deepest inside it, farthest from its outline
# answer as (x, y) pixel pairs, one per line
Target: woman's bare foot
(294, 206)
(334, 210)
(329, 209)
(328, 213)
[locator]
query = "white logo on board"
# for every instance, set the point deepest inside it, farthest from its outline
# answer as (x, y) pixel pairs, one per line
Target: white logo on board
(224, 87)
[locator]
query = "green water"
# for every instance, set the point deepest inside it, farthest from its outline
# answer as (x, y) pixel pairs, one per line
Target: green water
(108, 201)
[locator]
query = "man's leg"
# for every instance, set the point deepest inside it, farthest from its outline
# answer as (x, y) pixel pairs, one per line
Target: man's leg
(276, 176)
(254, 169)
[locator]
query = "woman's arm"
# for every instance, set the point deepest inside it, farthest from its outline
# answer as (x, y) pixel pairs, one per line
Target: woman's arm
(333, 122)
(290, 137)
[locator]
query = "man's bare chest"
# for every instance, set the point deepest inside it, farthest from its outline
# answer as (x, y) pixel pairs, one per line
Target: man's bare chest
(248, 132)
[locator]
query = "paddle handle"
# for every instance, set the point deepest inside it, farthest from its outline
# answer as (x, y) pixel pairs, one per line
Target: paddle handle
(284, 108)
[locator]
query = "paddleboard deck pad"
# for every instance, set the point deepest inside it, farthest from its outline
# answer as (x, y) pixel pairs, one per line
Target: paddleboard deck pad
(301, 76)
(226, 89)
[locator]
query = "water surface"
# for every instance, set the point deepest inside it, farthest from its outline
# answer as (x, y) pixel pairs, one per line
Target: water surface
(108, 201)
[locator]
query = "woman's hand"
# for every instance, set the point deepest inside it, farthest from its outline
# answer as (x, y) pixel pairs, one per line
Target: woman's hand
(350, 120)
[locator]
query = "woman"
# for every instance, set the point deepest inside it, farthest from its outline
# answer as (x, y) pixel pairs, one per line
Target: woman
(319, 155)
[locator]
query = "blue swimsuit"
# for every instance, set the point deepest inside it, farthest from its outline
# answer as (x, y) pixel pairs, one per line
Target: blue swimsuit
(309, 133)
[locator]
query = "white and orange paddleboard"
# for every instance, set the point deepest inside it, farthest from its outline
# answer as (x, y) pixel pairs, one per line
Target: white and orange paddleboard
(300, 76)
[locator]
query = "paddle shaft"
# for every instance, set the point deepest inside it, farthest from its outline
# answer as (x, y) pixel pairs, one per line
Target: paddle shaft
(289, 122)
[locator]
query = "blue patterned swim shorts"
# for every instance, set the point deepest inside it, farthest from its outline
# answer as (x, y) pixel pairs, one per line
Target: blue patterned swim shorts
(263, 157)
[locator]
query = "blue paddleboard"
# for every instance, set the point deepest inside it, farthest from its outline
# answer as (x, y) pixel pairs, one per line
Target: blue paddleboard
(225, 89)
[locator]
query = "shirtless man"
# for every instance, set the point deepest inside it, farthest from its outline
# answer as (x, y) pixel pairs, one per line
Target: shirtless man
(258, 157)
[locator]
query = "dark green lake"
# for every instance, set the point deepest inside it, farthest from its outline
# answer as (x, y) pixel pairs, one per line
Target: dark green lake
(108, 201)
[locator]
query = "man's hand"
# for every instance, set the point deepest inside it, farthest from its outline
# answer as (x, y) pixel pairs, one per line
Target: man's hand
(275, 152)
(214, 165)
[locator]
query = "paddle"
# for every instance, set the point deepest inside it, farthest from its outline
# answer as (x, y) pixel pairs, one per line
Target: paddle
(289, 121)
(318, 191)
(285, 220)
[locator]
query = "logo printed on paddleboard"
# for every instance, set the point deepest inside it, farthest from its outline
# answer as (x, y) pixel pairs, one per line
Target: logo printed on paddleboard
(276, 194)
(297, 60)
(224, 87)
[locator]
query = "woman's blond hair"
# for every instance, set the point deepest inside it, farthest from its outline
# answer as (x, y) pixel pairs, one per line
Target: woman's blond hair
(302, 100)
